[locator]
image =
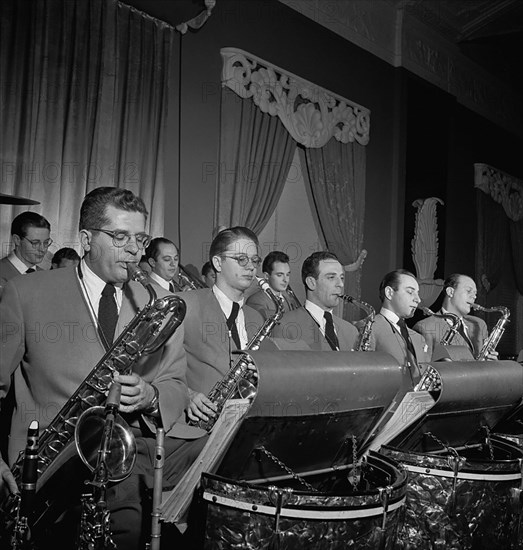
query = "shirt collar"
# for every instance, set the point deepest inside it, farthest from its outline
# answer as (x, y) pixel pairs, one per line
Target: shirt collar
(224, 301)
(390, 316)
(316, 311)
(160, 280)
(18, 264)
(93, 285)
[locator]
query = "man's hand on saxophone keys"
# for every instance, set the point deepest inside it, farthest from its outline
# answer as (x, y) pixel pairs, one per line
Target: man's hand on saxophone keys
(200, 407)
(137, 394)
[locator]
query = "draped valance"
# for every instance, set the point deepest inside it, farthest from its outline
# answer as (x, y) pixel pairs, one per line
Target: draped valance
(311, 114)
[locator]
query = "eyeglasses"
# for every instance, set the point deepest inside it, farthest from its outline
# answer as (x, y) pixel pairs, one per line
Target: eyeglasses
(243, 259)
(35, 244)
(121, 238)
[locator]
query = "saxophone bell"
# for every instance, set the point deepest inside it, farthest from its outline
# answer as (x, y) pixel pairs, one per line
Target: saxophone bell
(363, 343)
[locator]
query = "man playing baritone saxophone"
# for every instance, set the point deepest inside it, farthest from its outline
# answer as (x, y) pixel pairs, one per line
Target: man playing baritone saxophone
(399, 295)
(314, 324)
(218, 322)
(277, 272)
(55, 326)
(459, 293)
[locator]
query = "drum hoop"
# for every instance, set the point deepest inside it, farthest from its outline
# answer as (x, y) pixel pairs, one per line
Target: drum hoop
(303, 513)
(464, 475)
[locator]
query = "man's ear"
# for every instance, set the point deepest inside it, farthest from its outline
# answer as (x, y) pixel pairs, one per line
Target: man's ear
(389, 292)
(450, 291)
(310, 282)
(17, 240)
(85, 239)
(217, 263)
(151, 262)
(266, 275)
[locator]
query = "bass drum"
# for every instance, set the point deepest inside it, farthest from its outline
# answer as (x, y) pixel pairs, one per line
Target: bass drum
(337, 517)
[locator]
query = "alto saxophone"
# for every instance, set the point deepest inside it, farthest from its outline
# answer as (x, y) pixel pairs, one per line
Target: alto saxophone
(187, 281)
(146, 333)
(363, 343)
(490, 344)
(236, 382)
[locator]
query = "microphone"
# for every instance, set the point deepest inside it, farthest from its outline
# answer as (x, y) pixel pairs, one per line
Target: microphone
(29, 471)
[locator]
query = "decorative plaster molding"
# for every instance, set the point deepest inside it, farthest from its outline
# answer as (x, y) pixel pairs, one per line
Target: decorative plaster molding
(311, 114)
(425, 248)
(505, 189)
(386, 29)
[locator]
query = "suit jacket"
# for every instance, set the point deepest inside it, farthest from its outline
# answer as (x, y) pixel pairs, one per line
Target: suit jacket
(299, 325)
(50, 342)
(206, 338)
(265, 306)
(384, 337)
(434, 329)
(8, 271)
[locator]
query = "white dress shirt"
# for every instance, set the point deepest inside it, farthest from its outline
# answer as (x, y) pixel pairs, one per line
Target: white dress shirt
(226, 306)
(318, 314)
(18, 264)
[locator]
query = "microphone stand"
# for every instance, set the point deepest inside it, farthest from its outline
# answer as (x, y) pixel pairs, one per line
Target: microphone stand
(156, 514)
(95, 528)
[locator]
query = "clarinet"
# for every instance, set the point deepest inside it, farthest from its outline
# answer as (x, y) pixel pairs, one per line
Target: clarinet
(21, 533)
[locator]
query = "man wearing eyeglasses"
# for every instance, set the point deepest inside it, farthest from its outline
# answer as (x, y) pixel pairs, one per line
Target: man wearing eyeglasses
(218, 322)
(55, 329)
(30, 234)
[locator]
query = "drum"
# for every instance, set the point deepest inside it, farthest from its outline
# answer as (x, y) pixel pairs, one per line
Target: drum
(328, 510)
(463, 500)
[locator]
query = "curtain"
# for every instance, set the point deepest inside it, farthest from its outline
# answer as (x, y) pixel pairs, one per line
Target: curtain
(336, 174)
(256, 152)
(84, 98)
(516, 241)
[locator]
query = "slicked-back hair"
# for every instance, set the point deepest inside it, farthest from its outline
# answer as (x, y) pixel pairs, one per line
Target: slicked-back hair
(153, 250)
(452, 281)
(228, 236)
(92, 212)
(271, 258)
(310, 267)
(23, 221)
(65, 253)
(392, 279)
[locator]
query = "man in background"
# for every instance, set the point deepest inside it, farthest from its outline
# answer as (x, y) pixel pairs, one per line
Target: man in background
(65, 257)
(277, 273)
(163, 259)
(459, 293)
(30, 235)
(208, 274)
(314, 323)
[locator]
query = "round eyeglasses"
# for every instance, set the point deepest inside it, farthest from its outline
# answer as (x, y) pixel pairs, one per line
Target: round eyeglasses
(243, 259)
(36, 244)
(121, 238)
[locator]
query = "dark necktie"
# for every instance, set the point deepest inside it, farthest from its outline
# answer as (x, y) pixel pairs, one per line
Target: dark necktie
(30, 270)
(464, 335)
(330, 335)
(107, 315)
(171, 287)
(231, 324)
(405, 333)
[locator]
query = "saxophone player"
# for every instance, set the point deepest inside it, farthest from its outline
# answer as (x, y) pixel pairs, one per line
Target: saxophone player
(277, 273)
(218, 322)
(56, 325)
(164, 260)
(314, 323)
(459, 293)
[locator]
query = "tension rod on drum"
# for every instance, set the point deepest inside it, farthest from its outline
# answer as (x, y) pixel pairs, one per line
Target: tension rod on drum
(461, 448)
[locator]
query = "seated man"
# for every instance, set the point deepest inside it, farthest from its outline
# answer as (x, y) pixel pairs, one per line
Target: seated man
(217, 321)
(277, 272)
(30, 234)
(399, 295)
(88, 308)
(323, 276)
(208, 274)
(65, 257)
(459, 293)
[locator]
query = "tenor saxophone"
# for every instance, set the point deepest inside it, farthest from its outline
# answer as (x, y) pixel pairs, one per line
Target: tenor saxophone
(490, 344)
(146, 333)
(450, 317)
(363, 343)
(237, 383)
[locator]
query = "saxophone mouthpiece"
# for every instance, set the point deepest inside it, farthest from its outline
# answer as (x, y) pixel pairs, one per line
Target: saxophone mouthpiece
(136, 273)
(264, 285)
(426, 310)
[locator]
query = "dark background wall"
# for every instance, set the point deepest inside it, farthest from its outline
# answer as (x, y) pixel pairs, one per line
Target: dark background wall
(423, 143)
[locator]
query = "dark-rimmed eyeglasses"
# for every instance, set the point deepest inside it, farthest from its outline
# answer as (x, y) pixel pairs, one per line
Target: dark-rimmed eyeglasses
(36, 243)
(121, 238)
(243, 259)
